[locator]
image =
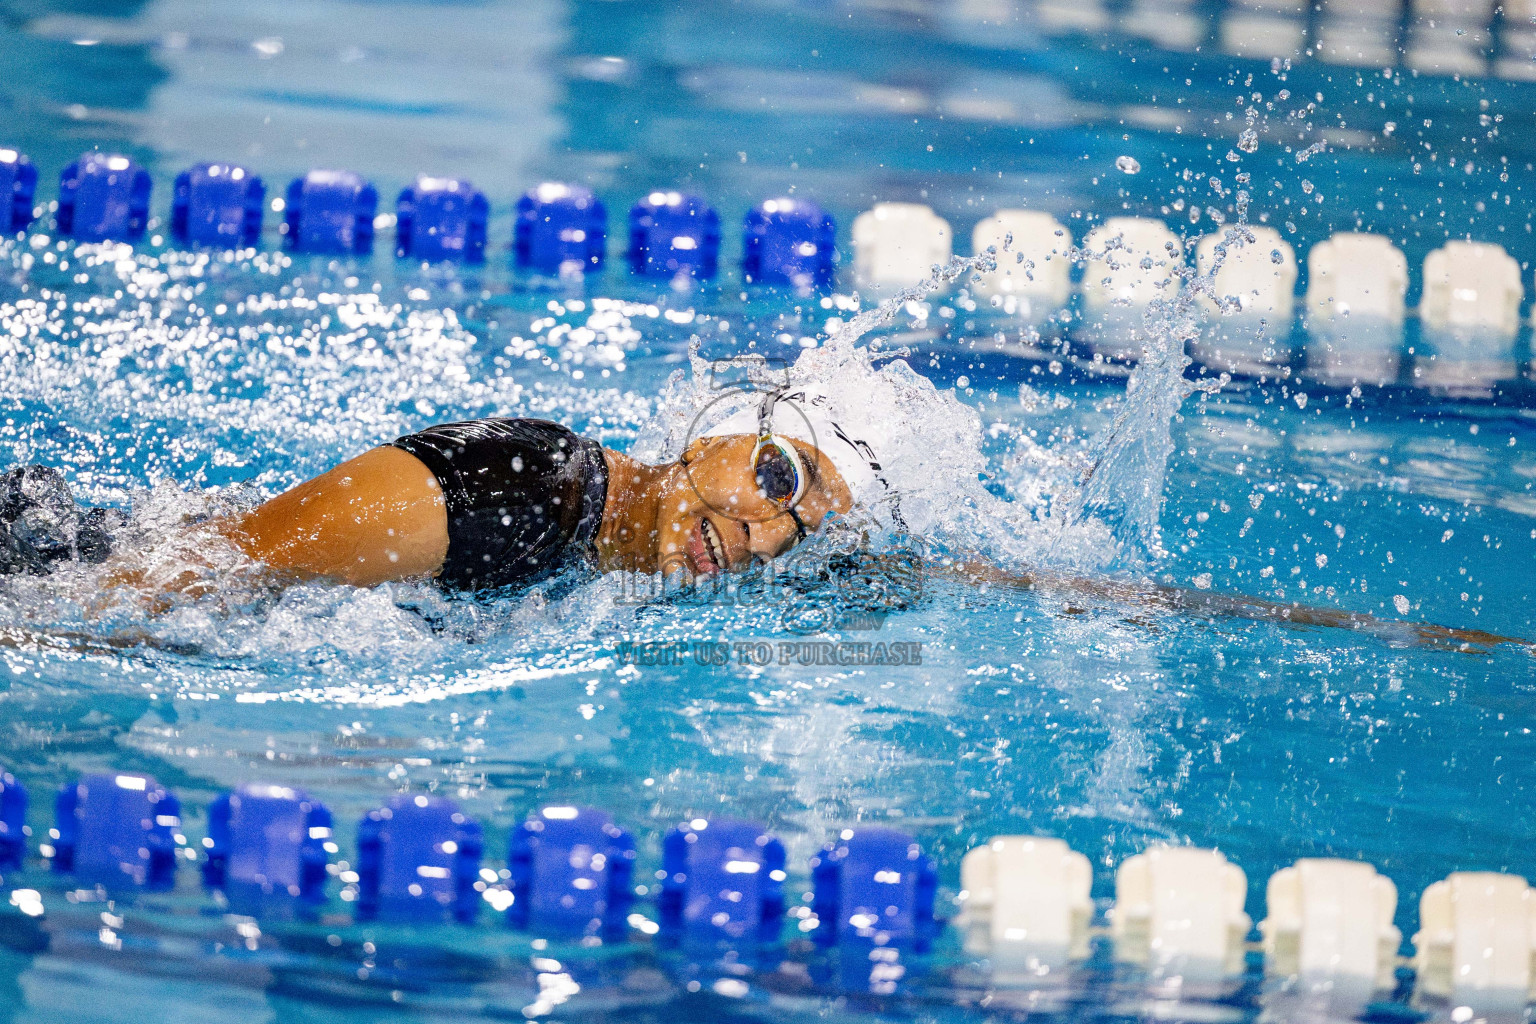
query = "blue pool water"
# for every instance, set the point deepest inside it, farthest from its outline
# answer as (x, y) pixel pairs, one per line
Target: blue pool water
(176, 384)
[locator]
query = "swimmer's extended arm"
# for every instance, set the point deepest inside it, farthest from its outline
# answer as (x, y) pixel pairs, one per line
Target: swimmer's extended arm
(1205, 603)
(372, 519)
(76, 642)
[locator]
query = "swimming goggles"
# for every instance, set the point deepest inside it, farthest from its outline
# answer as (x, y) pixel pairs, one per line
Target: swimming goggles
(781, 475)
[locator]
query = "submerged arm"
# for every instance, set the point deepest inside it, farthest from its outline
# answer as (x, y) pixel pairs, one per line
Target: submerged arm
(1206, 604)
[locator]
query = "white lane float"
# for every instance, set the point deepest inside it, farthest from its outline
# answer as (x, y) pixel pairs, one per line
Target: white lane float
(1256, 279)
(1133, 261)
(1470, 313)
(1330, 924)
(1179, 913)
(1025, 903)
(1477, 940)
(1037, 285)
(896, 245)
(1355, 308)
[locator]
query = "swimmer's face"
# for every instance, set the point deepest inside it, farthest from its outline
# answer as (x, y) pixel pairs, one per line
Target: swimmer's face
(714, 516)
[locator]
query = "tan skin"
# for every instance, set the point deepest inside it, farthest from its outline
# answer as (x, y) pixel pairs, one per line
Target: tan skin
(381, 517)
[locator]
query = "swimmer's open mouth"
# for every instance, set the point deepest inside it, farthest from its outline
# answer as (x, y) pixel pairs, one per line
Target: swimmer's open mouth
(707, 549)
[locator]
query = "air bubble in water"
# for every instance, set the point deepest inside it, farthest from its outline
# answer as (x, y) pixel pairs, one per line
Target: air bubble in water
(1128, 164)
(1248, 142)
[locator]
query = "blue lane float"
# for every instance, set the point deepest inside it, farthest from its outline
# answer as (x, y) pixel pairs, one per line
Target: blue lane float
(560, 229)
(117, 829)
(723, 879)
(330, 212)
(441, 219)
(217, 204)
(789, 241)
(418, 858)
(267, 848)
(18, 186)
(875, 885)
(1025, 899)
(673, 234)
(571, 869)
(104, 197)
(13, 821)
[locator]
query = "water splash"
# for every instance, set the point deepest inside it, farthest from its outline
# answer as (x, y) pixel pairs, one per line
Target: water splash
(219, 363)
(930, 443)
(1122, 486)
(184, 388)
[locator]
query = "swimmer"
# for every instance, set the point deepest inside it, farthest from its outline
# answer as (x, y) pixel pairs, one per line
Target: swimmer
(489, 505)
(495, 505)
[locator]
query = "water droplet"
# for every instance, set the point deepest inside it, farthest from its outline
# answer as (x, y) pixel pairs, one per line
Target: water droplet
(1248, 141)
(1275, 256)
(1301, 400)
(1401, 604)
(1128, 164)
(1307, 186)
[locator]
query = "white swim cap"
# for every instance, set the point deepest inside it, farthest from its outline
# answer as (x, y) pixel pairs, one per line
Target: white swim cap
(813, 415)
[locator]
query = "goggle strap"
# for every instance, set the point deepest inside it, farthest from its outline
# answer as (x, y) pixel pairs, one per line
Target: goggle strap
(765, 414)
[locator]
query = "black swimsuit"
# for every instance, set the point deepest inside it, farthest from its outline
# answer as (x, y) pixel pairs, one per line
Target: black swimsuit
(525, 498)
